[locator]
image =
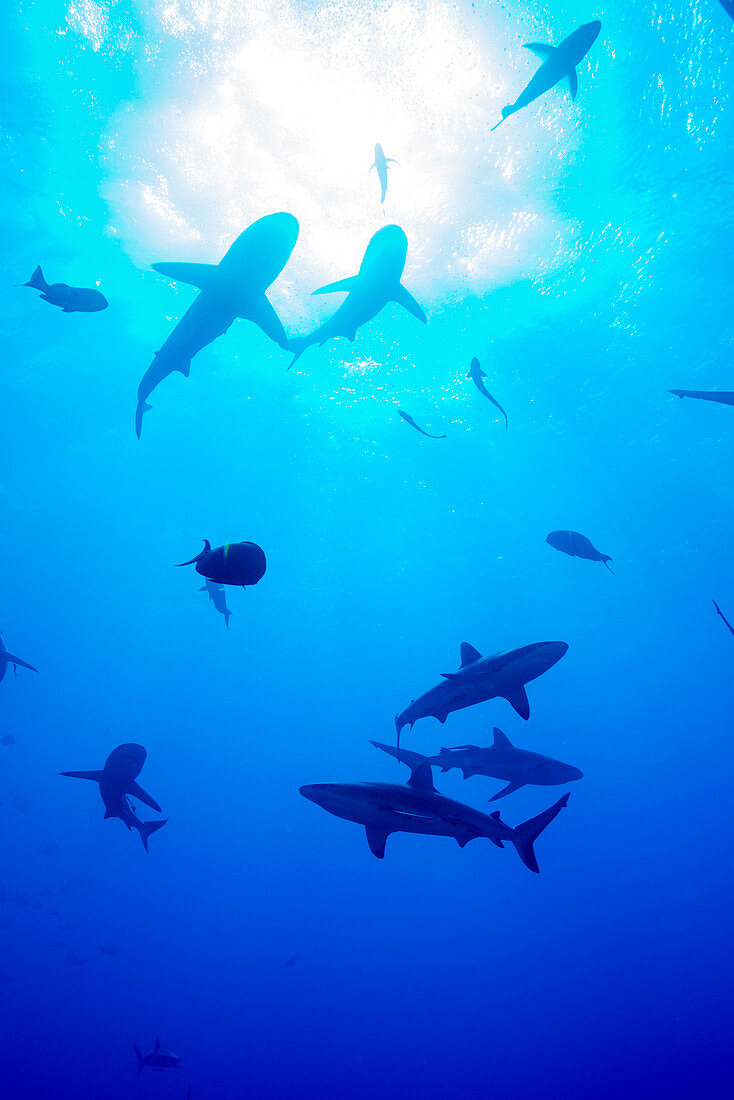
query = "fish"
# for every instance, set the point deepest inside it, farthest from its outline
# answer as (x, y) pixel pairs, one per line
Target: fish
(577, 546)
(501, 675)
(723, 616)
(381, 164)
(10, 659)
(376, 284)
(158, 1059)
(117, 780)
(237, 563)
(70, 299)
(722, 397)
(235, 287)
(477, 374)
(501, 760)
(417, 807)
(217, 596)
(9, 740)
(413, 424)
(557, 62)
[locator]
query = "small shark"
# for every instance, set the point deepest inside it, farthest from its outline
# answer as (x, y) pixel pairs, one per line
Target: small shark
(718, 612)
(70, 299)
(411, 421)
(158, 1059)
(500, 761)
(502, 675)
(417, 807)
(117, 781)
(381, 163)
(722, 397)
(577, 546)
(10, 659)
(376, 284)
(235, 287)
(558, 62)
(477, 374)
(237, 563)
(217, 596)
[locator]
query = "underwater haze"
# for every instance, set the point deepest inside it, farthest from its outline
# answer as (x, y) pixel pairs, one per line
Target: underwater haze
(582, 253)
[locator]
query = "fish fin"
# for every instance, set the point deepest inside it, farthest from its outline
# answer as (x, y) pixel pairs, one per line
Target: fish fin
(141, 410)
(37, 280)
(463, 839)
(469, 654)
(376, 839)
(199, 275)
(501, 740)
(505, 112)
(405, 299)
(404, 756)
(526, 834)
(678, 393)
(148, 827)
(540, 49)
(298, 345)
(573, 83)
(340, 285)
(606, 559)
(11, 659)
(495, 815)
(512, 786)
(137, 792)
(261, 313)
(199, 556)
(227, 615)
(157, 1045)
(519, 700)
(373, 166)
(421, 778)
(96, 777)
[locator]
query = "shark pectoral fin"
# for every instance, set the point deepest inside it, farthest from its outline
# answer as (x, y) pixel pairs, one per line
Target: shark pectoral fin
(456, 676)
(264, 316)
(376, 839)
(463, 838)
(373, 166)
(540, 49)
(512, 786)
(11, 659)
(391, 160)
(405, 299)
(199, 275)
(518, 698)
(469, 654)
(341, 284)
(95, 776)
(573, 83)
(137, 792)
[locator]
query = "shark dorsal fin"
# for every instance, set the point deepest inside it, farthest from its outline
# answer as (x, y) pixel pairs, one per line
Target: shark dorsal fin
(501, 740)
(421, 778)
(157, 1044)
(540, 49)
(495, 815)
(469, 655)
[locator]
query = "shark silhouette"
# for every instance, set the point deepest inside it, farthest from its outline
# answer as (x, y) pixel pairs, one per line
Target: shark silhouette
(376, 284)
(235, 287)
(381, 164)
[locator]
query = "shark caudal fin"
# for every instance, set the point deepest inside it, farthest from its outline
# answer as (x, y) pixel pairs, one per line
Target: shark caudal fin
(148, 827)
(526, 834)
(606, 559)
(37, 280)
(140, 1057)
(142, 408)
(505, 112)
(298, 345)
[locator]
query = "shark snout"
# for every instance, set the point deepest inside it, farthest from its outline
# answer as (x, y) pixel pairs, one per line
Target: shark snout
(591, 31)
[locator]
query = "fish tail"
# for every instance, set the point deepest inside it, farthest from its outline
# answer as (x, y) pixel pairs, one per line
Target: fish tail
(37, 280)
(528, 832)
(606, 559)
(142, 409)
(148, 827)
(297, 345)
(505, 112)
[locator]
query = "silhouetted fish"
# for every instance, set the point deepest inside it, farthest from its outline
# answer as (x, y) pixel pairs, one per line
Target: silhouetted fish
(477, 374)
(722, 397)
(9, 740)
(411, 421)
(159, 1058)
(237, 563)
(381, 163)
(217, 596)
(576, 546)
(723, 616)
(70, 299)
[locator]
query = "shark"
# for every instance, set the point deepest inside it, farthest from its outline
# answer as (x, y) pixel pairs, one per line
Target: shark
(477, 374)
(722, 397)
(69, 299)
(235, 287)
(381, 164)
(409, 420)
(577, 546)
(376, 283)
(501, 675)
(10, 659)
(218, 597)
(501, 760)
(417, 807)
(158, 1059)
(558, 62)
(117, 780)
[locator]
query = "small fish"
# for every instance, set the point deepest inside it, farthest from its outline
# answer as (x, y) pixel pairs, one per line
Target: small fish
(9, 740)
(70, 299)
(477, 374)
(577, 546)
(413, 424)
(723, 616)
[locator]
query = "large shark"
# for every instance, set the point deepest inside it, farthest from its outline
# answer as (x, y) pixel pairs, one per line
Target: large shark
(501, 760)
(502, 675)
(235, 287)
(117, 781)
(381, 164)
(10, 659)
(158, 1059)
(558, 62)
(417, 807)
(376, 284)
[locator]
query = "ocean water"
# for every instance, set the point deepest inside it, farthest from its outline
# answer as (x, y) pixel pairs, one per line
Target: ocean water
(583, 252)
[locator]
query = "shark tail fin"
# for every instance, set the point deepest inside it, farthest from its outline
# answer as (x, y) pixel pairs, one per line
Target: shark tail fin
(37, 280)
(297, 345)
(199, 556)
(148, 827)
(527, 833)
(141, 1058)
(141, 410)
(606, 559)
(505, 112)
(227, 617)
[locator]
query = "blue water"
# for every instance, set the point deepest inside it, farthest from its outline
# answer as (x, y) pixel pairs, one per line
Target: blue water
(583, 253)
